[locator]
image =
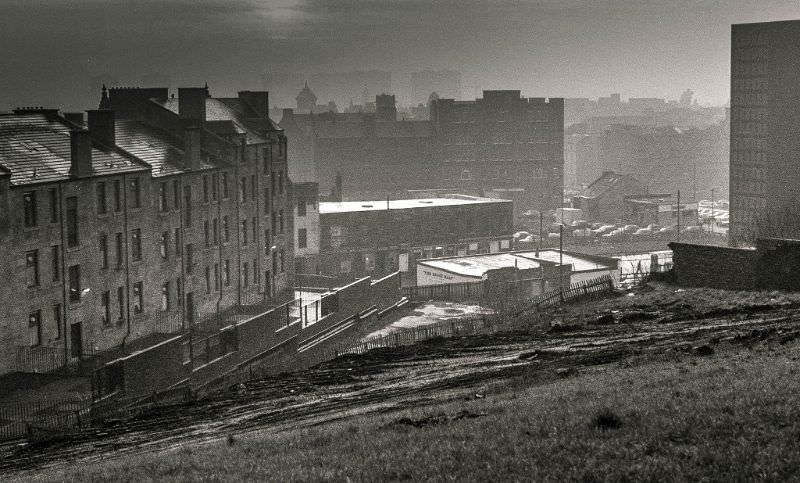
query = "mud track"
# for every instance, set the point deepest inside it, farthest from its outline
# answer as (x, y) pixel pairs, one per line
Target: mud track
(386, 380)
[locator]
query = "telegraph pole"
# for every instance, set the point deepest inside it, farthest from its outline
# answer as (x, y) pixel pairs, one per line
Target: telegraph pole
(712, 210)
(679, 216)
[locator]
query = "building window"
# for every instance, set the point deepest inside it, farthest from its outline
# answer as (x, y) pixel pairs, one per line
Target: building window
(302, 238)
(178, 244)
(165, 296)
(176, 194)
(120, 253)
(138, 297)
(136, 244)
(72, 222)
(256, 278)
(274, 262)
(208, 279)
(255, 229)
(345, 266)
(266, 199)
(244, 232)
(369, 262)
(164, 249)
(267, 241)
(205, 189)
(117, 195)
(75, 283)
(216, 277)
(162, 197)
(179, 290)
(214, 187)
(53, 205)
(243, 189)
(215, 231)
(105, 303)
(301, 207)
(245, 275)
(226, 270)
(253, 186)
(280, 221)
(273, 180)
(283, 261)
(121, 304)
(187, 205)
(57, 319)
(274, 220)
(29, 201)
(35, 328)
(32, 267)
(189, 258)
(102, 209)
(280, 182)
(136, 195)
(225, 190)
(226, 232)
(206, 233)
(103, 245)
(55, 257)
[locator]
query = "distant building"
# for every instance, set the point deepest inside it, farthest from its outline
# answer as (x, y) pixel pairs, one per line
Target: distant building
(604, 199)
(764, 175)
(659, 209)
(503, 141)
(359, 238)
(306, 225)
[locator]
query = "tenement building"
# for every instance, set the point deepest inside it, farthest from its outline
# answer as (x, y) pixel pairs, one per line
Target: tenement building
(156, 211)
(764, 179)
(503, 140)
(500, 142)
(360, 238)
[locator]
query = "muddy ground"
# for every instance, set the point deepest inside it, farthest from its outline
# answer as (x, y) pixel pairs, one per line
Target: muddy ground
(438, 370)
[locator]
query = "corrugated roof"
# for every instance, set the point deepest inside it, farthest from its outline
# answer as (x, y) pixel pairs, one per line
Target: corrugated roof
(602, 184)
(36, 148)
(152, 146)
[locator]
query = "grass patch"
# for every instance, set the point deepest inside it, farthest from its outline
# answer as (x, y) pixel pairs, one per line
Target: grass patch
(731, 416)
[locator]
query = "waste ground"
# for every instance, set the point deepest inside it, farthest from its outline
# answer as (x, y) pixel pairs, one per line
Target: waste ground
(438, 370)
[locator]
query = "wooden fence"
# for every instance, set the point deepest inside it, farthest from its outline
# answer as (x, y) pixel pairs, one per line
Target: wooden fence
(454, 291)
(43, 417)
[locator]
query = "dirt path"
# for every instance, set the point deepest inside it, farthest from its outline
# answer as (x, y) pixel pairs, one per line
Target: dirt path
(386, 380)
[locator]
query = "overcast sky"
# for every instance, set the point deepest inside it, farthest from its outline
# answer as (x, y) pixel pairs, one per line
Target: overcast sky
(52, 50)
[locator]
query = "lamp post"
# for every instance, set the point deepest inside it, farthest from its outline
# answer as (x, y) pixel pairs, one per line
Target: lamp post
(712, 210)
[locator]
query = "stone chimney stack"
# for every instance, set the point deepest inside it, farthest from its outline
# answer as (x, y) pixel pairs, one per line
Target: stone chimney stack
(102, 126)
(80, 153)
(192, 105)
(192, 147)
(74, 117)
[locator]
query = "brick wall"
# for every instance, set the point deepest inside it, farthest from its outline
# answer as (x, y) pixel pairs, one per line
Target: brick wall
(713, 266)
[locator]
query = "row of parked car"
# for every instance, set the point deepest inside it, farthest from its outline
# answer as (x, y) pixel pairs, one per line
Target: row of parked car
(583, 229)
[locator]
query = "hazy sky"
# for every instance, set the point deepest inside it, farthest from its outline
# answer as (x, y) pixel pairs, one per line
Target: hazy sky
(51, 51)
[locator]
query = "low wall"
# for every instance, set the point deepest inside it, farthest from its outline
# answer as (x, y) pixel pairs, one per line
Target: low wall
(155, 368)
(714, 266)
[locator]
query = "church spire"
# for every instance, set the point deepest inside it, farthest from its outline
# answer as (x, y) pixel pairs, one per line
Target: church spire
(104, 98)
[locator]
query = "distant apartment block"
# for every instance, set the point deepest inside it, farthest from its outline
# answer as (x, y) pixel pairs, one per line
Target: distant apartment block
(503, 140)
(764, 175)
(155, 210)
(359, 238)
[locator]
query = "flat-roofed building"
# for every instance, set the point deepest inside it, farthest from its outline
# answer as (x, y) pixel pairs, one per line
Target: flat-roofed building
(360, 238)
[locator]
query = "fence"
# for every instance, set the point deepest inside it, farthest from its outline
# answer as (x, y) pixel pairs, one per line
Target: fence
(454, 291)
(35, 416)
(467, 326)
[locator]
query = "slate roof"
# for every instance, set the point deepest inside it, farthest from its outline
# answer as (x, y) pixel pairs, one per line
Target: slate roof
(154, 147)
(35, 148)
(230, 116)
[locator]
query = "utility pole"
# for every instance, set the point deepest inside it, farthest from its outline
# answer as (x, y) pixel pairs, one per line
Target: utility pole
(712, 210)
(541, 220)
(561, 259)
(679, 216)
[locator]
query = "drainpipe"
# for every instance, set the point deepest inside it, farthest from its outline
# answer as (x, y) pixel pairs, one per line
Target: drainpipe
(218, 275)
(127, 260)
(64, 282)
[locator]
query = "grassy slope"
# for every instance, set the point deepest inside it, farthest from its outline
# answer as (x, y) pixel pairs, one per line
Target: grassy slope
(732, 416)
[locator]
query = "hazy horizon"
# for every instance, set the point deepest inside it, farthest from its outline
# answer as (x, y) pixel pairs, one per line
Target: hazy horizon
(570, 48)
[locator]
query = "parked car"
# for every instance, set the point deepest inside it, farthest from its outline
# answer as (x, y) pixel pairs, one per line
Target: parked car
(630, 228)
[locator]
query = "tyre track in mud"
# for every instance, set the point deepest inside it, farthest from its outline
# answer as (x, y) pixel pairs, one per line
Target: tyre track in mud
(385, 380)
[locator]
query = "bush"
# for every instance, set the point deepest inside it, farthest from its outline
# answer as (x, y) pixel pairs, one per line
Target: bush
(606, 419)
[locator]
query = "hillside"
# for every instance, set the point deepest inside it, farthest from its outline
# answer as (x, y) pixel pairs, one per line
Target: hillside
(680, 383)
